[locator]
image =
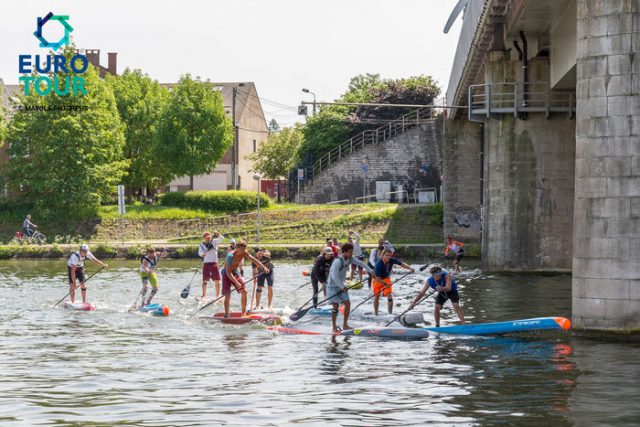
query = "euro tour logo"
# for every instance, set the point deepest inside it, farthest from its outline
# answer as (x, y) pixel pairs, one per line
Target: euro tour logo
(41, 82)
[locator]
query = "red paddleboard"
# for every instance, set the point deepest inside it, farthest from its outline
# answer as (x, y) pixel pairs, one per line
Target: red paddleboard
(236, 318)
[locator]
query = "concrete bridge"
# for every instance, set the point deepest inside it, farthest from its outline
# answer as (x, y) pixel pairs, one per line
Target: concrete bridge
(550, 90)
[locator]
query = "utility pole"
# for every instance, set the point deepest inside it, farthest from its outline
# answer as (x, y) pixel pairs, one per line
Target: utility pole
(234, 173)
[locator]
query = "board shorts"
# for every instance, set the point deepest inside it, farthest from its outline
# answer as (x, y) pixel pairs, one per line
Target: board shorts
(378, 288)
(79, 274)
(459, 255)
(210, 271)
(227, 283)
(337, 297)
(442, 297)
(267, 277)
(149, 278)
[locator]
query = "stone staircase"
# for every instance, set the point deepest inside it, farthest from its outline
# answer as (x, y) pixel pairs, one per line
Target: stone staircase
(406, 152)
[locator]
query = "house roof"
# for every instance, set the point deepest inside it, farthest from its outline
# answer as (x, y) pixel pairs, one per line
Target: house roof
(245, 91)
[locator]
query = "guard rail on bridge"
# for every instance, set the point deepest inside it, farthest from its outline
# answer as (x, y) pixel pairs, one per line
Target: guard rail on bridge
(515, 98)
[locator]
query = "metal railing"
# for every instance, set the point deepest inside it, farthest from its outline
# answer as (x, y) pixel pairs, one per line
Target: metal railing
(518, 97)
(338, 202)
(468, 33)
(374, 136)
(400, 200)
(363, 198)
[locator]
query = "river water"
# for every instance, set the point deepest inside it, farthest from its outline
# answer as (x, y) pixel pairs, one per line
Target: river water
(110, 367)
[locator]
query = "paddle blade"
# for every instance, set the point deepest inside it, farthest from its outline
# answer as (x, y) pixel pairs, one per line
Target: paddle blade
(185, 292)
(299, 314)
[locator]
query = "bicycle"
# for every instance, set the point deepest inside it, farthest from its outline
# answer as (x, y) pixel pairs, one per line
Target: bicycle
(36, 238)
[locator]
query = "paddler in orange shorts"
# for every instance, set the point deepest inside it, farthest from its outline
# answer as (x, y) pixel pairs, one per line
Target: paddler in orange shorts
(231, 275)
(382, 285)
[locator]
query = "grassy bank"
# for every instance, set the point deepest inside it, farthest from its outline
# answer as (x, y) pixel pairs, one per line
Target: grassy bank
(280, 223)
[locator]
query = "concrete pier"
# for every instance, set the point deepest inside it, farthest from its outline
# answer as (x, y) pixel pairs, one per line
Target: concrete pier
(606, 257)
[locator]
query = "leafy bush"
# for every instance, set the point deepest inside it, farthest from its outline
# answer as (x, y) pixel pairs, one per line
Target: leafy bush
(437, 217)
(229, 201)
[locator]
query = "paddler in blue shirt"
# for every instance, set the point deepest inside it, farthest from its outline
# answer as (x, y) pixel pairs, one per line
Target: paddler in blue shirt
(446, 287)
(336, 286)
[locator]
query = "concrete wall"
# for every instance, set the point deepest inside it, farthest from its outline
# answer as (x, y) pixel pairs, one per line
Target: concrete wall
(529, 186)
(606, 260)
(563, 46)
(411, 160)
(461, 184)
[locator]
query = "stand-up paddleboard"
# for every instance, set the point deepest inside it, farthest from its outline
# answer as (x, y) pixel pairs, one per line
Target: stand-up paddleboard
(83, 306)
(155, 309)
(321, 311)
(236, 318)
(388, 332)
(509, 327)
(292, 331)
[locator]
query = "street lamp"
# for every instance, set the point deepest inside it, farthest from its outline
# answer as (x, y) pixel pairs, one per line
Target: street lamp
(314, 99)
(257, 178)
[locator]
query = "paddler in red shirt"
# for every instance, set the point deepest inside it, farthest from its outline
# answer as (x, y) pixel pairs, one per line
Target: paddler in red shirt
(456, 248)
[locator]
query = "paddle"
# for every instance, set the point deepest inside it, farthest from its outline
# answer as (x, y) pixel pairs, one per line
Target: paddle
(86, 280)
(187, 289)
(302, 312)
(220, 297)
(411, 308)
(381, 290)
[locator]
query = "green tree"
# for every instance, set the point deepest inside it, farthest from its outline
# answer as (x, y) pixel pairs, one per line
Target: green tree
(274, 126)
(278, 154)
(194, 132)
(68, 162)
(141, 102)
(334, 124)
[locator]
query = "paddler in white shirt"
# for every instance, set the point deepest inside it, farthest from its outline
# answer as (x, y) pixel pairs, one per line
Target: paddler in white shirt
(208, 250)
(75, 271)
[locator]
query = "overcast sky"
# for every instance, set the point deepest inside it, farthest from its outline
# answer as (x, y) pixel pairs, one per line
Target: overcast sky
(281, 45)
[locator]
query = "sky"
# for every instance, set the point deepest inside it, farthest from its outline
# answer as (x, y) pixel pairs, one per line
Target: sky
(280, 45)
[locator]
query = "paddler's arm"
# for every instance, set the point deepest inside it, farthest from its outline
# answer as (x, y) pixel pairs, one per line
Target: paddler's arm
(97, 261)
(407, 267)
(446, 250)
(366, 267)
(447, 286)
(256, 262)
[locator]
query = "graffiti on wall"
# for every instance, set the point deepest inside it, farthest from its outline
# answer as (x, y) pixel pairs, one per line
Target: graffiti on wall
(467, 217)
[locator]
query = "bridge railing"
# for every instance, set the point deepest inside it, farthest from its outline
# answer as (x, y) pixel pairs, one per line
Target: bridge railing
(518, 97)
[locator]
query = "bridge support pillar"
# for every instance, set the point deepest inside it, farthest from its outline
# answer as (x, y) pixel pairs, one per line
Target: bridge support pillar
(606, 258)
(528, 179)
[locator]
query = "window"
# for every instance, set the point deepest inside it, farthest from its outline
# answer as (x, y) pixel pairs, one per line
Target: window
(254, 146)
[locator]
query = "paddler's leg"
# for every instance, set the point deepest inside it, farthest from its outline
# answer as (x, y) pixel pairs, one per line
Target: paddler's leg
(227, 301)
(72, 292)
(217, 283)
(215, 276)
(455, 300)
(314, 284)
(204, 289)
(244, 301)
(390, 304)
(153, 279)
(345, 315)
(83, 291)
(334, 316)
(376, 304)
(436, 314)
(258, 295)
(270, 288)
